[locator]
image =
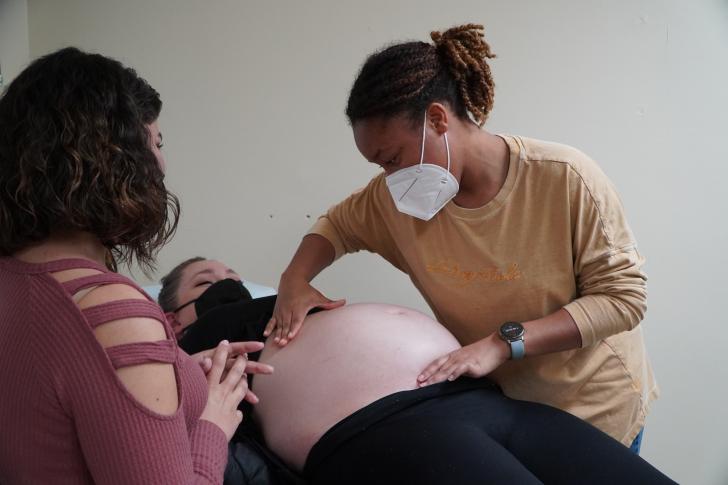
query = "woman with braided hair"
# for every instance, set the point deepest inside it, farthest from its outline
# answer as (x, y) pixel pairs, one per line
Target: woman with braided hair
(520, 247)
(314, 423)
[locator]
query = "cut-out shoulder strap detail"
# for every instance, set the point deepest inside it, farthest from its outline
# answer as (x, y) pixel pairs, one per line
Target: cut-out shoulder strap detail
(164, 351)
(120, 309)
(73, 286)
(25, 267)
(73, 274)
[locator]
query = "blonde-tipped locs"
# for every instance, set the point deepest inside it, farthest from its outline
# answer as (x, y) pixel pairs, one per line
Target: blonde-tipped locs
(465, 51)
(406, 78)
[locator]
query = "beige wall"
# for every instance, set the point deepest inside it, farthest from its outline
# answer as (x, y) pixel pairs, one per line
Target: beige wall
(14, 47)
(258, 146)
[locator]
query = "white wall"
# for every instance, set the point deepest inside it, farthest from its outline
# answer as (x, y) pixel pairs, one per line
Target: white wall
(14, 46)
(258, 146)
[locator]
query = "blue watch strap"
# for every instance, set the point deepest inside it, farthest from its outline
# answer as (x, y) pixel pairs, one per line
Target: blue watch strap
(518, 349)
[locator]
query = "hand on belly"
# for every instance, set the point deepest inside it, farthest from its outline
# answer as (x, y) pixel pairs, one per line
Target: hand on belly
(343, 360)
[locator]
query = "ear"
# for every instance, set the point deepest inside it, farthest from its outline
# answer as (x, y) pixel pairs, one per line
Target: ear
(437, 117)
(174, 323)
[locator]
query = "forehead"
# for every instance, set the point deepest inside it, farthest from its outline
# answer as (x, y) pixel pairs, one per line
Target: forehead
(374, 137)
(204, 267)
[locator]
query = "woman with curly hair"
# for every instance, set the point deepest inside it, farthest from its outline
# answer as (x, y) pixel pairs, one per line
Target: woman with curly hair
(520, 247)
(95, 389)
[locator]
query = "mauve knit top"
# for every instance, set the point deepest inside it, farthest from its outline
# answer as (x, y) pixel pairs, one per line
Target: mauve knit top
(65, 416)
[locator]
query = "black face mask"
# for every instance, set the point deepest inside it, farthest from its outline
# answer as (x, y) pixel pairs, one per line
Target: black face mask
(219, 293)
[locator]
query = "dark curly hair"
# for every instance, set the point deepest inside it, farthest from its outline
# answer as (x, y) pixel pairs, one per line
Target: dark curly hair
(75, 155)
(406, 78)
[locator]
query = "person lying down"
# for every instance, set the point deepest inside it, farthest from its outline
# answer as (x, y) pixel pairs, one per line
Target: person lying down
(344, 405)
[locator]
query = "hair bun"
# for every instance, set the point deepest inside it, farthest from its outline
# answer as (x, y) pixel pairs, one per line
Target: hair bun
(436, 37)
(468, 36)
(464, 51)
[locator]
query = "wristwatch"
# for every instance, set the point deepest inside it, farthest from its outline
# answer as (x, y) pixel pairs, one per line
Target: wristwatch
(512, 333)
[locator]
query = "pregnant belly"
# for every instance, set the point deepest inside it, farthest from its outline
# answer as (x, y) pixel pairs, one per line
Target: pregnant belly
(341, 361)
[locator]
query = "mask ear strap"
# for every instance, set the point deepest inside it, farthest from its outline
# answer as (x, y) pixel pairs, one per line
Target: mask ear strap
(447, 149)
(424, 131)
(186, 304)
(422, 149)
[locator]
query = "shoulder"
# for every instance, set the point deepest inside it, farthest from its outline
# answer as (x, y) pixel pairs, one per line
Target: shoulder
(130, 316)
(564, 164)
(137, 339)
(548, 154)
(375, 186)
(368, 197)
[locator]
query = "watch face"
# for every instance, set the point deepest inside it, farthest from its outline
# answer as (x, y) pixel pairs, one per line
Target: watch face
(512, 330)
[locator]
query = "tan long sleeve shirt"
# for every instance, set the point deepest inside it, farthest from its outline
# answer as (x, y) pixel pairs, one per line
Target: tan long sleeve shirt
(555, 236)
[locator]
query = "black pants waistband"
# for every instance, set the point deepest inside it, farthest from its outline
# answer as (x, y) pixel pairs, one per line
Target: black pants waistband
(359, 421)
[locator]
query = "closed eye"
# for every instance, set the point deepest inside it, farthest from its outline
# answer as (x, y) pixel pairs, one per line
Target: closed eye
(201, 283)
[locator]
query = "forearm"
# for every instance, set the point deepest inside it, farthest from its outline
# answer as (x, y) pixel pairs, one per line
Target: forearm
(208, 443)
(553, 333)
(313, 255)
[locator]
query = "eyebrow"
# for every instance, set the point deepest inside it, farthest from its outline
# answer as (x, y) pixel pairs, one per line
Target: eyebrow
(204, 271)
(210, 271)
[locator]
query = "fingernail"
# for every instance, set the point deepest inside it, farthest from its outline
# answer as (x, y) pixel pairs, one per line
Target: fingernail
(224, 342)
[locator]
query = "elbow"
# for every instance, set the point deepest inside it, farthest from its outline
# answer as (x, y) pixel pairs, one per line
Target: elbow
(633, 309)
(632, 298)
(629, 299)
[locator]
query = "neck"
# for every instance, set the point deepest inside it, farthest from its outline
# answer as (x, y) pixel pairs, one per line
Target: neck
(485, 159)
(75, 244)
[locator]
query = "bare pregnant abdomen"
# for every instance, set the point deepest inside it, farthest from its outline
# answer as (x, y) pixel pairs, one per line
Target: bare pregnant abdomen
(341, 361)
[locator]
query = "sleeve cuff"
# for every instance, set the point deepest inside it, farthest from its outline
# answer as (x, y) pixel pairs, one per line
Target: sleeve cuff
(583, 322)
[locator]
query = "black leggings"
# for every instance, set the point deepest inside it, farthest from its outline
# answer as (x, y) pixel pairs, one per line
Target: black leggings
(470, 433)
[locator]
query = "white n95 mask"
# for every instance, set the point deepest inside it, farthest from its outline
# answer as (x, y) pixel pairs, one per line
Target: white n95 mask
(422, 190)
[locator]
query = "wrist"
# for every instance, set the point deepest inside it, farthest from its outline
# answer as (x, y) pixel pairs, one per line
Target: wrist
(499, 346)
(292, 275)
(513, 334)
